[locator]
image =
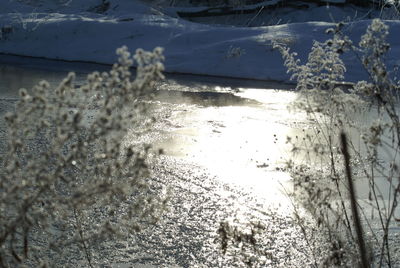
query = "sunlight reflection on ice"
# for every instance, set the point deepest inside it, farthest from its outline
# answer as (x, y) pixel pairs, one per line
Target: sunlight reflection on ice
(241, 145)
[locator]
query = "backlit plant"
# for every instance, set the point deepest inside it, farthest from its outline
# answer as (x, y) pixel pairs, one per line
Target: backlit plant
(70, 176)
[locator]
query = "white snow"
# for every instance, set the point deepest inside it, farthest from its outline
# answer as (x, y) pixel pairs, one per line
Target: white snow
(74, 32)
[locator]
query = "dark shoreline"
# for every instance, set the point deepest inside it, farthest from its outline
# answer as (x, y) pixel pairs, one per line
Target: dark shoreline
(85, 67)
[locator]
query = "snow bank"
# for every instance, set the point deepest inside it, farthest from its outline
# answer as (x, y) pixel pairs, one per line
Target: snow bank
(74, 32)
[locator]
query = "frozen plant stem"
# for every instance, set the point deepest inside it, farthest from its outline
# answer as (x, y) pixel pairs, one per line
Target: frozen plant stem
(353, 202)
(85, 248)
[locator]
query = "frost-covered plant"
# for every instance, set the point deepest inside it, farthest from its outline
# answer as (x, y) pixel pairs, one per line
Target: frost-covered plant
(235, 52)
(30, 23)
(321, 167)
(75, 172)
(390, 10)
(322, 98)
(316, 165)
(333, 109)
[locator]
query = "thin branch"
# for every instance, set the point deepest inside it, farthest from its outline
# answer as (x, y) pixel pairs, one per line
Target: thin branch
(85, 248)
(354, 208)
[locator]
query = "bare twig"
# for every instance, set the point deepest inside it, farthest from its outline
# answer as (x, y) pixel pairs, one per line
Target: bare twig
(85, 248)
(354, 208)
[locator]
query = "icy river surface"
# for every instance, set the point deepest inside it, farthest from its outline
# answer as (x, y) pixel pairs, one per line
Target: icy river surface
(224, 143)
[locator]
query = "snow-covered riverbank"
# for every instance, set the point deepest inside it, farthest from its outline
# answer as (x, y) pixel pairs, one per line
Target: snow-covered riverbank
(77, 32)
